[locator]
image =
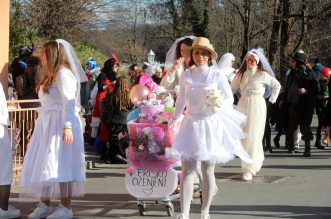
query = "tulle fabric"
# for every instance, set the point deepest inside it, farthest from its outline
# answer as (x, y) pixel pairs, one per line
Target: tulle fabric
(214, 138)
(50, 165)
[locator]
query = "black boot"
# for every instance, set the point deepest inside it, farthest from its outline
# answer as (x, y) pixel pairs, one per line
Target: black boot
(103, 150)
(290, 147)
(307, 153)
(276, 142)
(113, 154)
(318, 142)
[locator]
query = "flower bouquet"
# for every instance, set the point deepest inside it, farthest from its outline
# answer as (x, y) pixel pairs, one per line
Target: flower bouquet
(150, 139)
(214, 99)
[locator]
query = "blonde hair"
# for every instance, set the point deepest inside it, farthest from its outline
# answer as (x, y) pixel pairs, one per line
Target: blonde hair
(52, 57)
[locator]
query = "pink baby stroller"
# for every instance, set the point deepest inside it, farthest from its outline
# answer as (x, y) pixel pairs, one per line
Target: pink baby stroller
(151, 176)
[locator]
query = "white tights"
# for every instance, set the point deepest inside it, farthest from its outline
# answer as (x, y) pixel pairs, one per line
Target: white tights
(189, 171)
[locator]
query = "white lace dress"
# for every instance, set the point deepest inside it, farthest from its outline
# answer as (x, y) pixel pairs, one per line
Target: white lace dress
(48, 160)
(252, 103)
(206, 135)
(5, 147)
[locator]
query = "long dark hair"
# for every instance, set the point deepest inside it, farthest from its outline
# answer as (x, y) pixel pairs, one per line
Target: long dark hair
(187, 41)
(108, 66)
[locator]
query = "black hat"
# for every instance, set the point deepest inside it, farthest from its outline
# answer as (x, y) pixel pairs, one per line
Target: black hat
(300, 57)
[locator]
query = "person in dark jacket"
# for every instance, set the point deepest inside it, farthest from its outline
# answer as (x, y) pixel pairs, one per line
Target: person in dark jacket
(116, 107)
(19, 65)
(300, 95)
(106, 81)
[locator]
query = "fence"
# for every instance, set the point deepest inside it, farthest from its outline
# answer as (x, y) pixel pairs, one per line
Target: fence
(21, 125)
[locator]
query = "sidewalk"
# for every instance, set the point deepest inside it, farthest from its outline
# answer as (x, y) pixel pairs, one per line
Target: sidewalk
(288, 186)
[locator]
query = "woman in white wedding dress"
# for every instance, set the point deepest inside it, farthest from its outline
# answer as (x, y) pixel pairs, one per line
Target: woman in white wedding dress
(211, 131)
(177, 61)
(253, 78)
(225, 64)
(54, 165)
(6, 162)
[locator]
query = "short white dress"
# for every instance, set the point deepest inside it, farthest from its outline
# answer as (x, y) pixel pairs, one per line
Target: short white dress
(206, 135)
(48, 160)
(6, 164)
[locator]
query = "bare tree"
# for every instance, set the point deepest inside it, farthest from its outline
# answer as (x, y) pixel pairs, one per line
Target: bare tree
(274, 38)
(58, 18)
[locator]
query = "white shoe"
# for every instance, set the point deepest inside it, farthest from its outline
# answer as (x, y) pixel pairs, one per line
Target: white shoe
(247, 176)
(61, 212)
(205, 216)
(41, 211)
(12, 212)
(181, 216)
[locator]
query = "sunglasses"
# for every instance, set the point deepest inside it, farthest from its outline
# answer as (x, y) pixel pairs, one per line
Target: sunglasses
(250, 60)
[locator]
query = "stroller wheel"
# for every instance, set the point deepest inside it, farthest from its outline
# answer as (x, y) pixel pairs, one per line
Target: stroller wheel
(170, 209)
(141, 210)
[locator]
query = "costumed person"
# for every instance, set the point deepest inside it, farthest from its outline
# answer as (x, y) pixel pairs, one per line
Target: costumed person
(225, 64)
(116, 107)
(105, 83)
(157, 76)
(6, 162)
(54, 164)
(177, 61)
(139, 76)
(19, 65)
(301, 90)
(322, 101)
(211, 131)
(92, 71)
(254, 78)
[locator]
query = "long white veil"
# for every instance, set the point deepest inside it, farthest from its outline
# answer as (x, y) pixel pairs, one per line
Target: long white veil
(171, 54)
(75, 66)
(265, 65)
(225, 65)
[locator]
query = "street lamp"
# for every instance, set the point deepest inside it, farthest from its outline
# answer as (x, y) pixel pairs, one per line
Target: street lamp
(150, 57)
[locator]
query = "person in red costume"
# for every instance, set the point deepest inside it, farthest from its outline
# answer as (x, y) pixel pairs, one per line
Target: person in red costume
(106, 83)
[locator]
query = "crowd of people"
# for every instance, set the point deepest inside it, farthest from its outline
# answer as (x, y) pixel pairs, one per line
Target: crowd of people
(210, 132)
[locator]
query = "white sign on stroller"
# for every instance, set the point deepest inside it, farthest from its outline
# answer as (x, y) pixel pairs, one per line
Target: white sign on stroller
(151, 184)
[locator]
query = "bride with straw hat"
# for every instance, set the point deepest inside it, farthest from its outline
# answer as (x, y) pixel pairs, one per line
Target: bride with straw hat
(211, 131)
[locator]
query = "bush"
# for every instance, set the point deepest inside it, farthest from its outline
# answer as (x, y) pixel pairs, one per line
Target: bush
(85, 50)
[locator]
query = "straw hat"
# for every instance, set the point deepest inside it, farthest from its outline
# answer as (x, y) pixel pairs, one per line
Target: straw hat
(203, 43)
